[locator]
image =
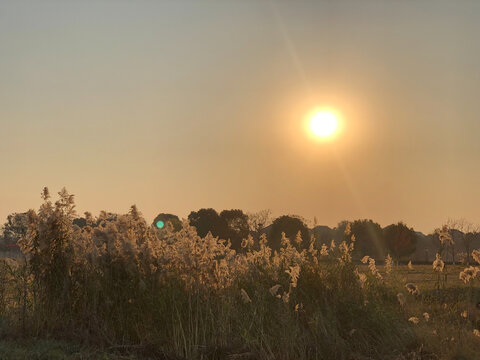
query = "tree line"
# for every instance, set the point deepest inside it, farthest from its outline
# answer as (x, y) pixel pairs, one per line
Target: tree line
(234, 225)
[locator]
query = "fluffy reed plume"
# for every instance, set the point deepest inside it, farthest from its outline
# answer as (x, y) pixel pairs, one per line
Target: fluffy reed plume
(476, 255)
(468, 274)
(362, 277)
(294, 273)
(274, 289)
(332, 245)
(248, 242)
(324, 250)
(426, 316)
(312, 251)
(245, 298)
(298, 238)
(345, 252)
(414, 320)
(464, 314)
(438, 264)
(373, 268)
(348, 229)
(365, 259)
(412, 289)
(444, 235)
(410, 266)
(401, 299)
(388, 264)
(476, 332)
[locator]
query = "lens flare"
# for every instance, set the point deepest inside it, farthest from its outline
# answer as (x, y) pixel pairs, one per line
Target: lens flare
(160, 224)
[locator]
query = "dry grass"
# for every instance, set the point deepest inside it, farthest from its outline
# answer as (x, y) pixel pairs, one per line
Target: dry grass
(448, 331)
(121, 284)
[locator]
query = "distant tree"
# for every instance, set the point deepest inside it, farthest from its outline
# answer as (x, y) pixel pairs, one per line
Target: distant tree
(290, 225)
(400, 240)
(464, 234)
(340, 231)
(172, 219)
(257, 221)
(323, 234)
(14, 229)
(468, 239)
(208, 220)
(369, 238)
(455, 228)
(237, 226)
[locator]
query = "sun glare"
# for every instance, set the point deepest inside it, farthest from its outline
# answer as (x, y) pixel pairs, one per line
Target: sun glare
(324, 123)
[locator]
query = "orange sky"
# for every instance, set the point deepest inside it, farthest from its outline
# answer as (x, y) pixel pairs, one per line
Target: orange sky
(176, 106)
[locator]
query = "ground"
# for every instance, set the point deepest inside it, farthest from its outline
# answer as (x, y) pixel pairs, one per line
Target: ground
(447, 311)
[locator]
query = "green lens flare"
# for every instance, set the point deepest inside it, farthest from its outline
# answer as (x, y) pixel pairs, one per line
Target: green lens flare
(160, 224)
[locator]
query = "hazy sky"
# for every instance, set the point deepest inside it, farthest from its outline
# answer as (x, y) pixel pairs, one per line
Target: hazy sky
(177, 105)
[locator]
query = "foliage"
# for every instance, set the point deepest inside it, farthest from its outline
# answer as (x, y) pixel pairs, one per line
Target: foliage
(14, 229)
(208, 220)
(231, 225)
(259, 220)
(400, 240)
(290, 225)
(237, 227)
(369, 238)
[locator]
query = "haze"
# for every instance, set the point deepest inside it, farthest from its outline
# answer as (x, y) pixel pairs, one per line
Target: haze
(176, 106)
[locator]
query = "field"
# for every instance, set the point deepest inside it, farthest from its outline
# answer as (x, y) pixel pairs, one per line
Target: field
(121, 289)
(452, 314)
(453, 310)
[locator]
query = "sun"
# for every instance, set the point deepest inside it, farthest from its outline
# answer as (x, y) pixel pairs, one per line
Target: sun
(324, 123)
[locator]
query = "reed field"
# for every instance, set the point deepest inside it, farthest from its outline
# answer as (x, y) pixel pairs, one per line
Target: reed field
(122, 289)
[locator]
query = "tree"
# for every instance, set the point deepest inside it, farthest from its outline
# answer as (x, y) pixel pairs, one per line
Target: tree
(290, 225)
(208, 220)
(468, 239)
(400, 240)
(369, 238)
(455, 228)
(258, 221)
(323, 235)
(464, 233)
(448, 235)
(172, 219)
(14, 229)
(237, 226)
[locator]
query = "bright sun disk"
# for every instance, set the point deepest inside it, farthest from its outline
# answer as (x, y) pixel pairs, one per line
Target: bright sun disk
(324, 123)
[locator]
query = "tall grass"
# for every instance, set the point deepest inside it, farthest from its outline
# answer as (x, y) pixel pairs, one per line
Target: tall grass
(120, 282)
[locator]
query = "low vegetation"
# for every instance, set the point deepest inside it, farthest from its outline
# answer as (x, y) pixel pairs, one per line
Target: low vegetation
(135, 291)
